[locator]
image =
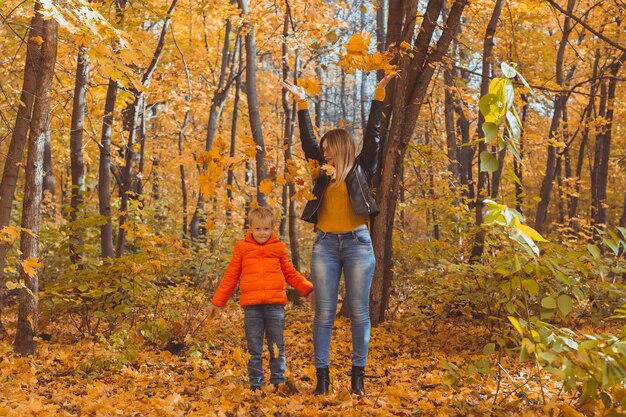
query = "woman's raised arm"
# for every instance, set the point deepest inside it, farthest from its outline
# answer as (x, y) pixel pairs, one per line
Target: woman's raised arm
(307, 135)
(371, 139)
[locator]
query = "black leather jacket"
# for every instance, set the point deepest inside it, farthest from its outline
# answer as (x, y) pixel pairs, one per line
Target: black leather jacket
(360, 176)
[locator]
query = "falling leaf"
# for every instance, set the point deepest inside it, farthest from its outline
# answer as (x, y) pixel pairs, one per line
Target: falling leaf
(266, 187)
(30, 266)
(358, 44)
(312, 87)
(330, 170)
(8, 234)
(37, 40)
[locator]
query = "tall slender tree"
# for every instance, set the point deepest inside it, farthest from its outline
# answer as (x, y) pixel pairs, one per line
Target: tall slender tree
(104, 176)
(18, 138)
(225, 79)
(559, 102)
(28, 313)
(76, 150)
(125, 177)
(253, 103)
(482, 190)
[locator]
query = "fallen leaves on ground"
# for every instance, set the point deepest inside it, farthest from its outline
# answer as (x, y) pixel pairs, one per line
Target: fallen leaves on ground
(210, 378)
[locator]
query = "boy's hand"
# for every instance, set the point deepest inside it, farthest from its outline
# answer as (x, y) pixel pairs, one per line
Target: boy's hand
(213, 310)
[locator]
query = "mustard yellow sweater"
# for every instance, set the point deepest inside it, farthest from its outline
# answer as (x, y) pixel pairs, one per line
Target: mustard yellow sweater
(335, 213)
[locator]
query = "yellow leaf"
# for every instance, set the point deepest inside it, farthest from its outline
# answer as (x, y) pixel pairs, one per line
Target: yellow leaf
(531, 233)
(312, 87)
(292, 167)
(30, 266)
(31, 322)
(405, 45)
(34, 404)
(30, 232)
(266, 187)
(569, 411)
(9, 234)
(516, 324)
(37, 40)
(358, 44)
(303, 195)
(330, 170)
(238, 356)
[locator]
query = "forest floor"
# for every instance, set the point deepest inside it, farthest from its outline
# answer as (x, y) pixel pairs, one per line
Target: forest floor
(92, 377)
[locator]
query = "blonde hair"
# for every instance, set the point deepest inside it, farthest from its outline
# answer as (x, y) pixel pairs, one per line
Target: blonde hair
(343, 148)
(261, 213)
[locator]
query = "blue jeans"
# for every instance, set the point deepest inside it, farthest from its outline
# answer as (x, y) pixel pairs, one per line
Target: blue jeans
(332, 252)
(268, 320)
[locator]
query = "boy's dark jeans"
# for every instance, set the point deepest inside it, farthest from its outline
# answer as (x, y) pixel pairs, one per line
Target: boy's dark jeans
(268, 320)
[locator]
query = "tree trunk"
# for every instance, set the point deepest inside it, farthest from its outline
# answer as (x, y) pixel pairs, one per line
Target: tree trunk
(451, 141)
(602, 176)
(183, 183)
(215, 112)
(622, 220)
(233, 132)
(319, 113)
(597, 155)
(559, 102)
(76, 151)
(289, 131)
(18, 138)
(253, 104)
(104, 176)
(126, 177)
(363, 81)
(381, 30)
(409, 92)
(28, 314)
(48, 172)
(482, 191)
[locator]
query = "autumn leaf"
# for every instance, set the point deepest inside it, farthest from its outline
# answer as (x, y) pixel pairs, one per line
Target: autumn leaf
(355, 56)
(30, 266)
(358, 44)
(266, 187)
(37, 40)
(312, 87)
(330, 170)
(303, 194)
(8, 234)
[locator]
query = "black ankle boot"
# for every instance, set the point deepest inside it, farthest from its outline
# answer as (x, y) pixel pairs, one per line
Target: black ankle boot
(358, 372)
(323, 381)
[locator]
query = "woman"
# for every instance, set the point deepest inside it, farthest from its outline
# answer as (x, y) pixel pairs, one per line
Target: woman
(341, 214)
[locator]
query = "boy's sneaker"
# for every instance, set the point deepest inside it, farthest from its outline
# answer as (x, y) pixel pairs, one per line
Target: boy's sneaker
(255, 387)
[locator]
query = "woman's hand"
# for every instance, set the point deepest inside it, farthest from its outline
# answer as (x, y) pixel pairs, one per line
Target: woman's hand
(383, 83)
(297, 91)
(311, 298)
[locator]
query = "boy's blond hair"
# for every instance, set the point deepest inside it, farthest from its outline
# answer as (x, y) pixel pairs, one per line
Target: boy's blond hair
(261, 213)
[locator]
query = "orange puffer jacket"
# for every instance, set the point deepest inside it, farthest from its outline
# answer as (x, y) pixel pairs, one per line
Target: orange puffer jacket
(263, 271)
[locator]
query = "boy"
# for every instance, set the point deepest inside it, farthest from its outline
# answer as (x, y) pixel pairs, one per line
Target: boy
(262, 264)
